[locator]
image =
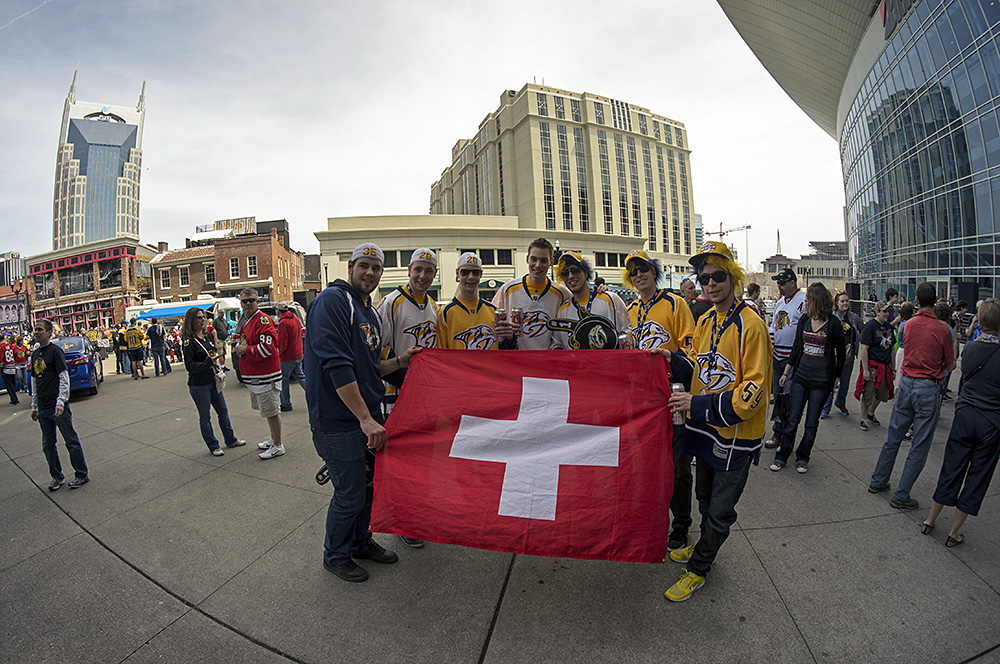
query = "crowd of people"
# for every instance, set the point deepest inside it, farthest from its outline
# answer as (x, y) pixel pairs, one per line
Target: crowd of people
(726, 356)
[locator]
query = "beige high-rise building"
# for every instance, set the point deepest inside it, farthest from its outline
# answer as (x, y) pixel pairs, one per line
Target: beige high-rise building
(561, 161)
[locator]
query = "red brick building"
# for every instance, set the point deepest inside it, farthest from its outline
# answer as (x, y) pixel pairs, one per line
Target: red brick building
(226, 267)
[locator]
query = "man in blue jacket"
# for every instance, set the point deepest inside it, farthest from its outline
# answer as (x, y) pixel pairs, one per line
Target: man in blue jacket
(344, 393)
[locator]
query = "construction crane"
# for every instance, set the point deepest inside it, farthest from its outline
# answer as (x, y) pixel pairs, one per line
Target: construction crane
(723, 232)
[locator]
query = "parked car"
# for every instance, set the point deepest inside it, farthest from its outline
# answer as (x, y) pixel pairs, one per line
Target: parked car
(83, 361)
(271, 310)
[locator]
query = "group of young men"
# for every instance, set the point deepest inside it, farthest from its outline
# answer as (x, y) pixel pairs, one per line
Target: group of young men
(353, 350)
(14, 354)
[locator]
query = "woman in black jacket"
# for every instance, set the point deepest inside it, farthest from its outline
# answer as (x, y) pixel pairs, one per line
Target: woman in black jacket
(815, 365)
(199, 360)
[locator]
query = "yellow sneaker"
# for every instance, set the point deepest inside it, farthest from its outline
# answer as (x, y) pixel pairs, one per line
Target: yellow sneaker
(682, 555)
(685, 587)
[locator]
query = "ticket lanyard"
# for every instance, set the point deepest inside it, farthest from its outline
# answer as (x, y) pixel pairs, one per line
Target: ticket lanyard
(716, 338)
(524, 283)
(644, 312)
(590, 303)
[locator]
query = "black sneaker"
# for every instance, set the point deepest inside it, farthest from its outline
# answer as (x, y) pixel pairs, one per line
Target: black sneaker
(378, 553)
(285, 409)
(77, 483)
(55, 484)
(412, 542)
(678, 539)
(349, 571)
(873, 419)
(877, 489)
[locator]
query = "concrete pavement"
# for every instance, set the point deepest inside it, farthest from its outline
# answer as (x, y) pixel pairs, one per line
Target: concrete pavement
(171, 554)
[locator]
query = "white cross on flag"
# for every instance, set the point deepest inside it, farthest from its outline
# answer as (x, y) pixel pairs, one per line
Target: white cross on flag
(557, 453)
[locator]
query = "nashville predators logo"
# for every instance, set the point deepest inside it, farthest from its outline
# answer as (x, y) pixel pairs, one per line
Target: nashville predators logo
(534, 323)
(782, 320)
(477, 337)
(651, 335)
(38, 368)
(597, 338)
(371, 335)
(719, 379)
(424, 334)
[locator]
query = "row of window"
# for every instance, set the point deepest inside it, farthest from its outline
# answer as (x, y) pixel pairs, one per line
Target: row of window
(621, 118)
(184, 275)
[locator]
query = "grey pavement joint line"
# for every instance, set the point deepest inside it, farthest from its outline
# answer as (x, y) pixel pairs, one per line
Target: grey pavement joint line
(778, 591)
(982, 654)
(496, 610)
(179, 598)
(150, 639)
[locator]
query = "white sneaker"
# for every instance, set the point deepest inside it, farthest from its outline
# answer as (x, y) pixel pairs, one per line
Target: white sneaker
(272, 451)
(268, 442)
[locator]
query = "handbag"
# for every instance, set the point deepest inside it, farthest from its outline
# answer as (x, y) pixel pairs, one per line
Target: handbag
(220, 378)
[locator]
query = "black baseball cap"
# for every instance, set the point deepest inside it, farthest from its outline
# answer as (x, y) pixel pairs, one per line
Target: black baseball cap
(785, 275)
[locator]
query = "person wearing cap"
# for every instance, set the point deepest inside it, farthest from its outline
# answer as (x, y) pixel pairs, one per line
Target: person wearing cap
(409, 318)
(575, 272)
(289, 352)
(468, 321)
(726, 408)
(260, 367)
(877, 352)
(661, 320)
(787, 311)
(536, 296)
(344, 393)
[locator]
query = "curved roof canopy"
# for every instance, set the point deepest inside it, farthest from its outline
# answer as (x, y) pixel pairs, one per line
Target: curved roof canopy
(806, 45)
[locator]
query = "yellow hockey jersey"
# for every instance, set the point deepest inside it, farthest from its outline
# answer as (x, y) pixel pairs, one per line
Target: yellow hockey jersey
(731, 386)
(608, 305)
(135, 337)
(467, 325)
(406, 321)
(537, 304)
(664, 321)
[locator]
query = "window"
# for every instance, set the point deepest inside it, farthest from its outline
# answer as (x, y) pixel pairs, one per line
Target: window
(505, 257)
(209, 273)
(164, 278)
(560, 106)
(599, 259)
(543, 104)
(548, 185)
(251, 266)
(390, 259)
(642, 124)
(183, 277)
(486, 256)
(599, 112)
(575, 110)
(234, 268)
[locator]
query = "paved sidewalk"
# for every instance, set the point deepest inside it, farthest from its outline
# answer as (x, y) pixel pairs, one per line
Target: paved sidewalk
(171, 554)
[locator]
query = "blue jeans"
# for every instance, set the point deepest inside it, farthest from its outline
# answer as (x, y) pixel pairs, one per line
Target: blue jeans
(349, 517)
(845, 386)
(48, 421)
(126, 362)
(206, 397)
(22, 378)
(918, 402)
(717, 491)
(799, 396)
(289, 370)
(160, 360)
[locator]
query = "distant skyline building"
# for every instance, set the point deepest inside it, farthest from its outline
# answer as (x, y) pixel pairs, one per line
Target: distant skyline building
(567, 162)
(11, 267)
(98, 166)
(699, 230)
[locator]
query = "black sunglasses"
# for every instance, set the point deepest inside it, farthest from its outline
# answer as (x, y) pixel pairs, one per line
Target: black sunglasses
(644, 268)
(719, 276)
(572, 269)
(465, 272)
(253, 299)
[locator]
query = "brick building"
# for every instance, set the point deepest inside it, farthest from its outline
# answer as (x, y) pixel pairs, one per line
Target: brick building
(227, 266)
(88, 286)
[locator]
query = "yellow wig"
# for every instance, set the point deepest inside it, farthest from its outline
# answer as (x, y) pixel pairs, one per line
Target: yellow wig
(736, 273)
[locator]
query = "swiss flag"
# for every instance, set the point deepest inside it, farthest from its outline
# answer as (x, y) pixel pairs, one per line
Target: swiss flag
(553, 453)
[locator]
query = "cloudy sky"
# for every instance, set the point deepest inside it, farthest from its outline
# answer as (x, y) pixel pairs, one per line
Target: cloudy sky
(306, 110)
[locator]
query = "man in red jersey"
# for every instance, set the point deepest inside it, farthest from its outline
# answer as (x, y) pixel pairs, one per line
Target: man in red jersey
(261, 369)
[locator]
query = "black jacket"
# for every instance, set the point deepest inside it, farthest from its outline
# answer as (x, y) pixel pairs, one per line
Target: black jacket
(833, 352)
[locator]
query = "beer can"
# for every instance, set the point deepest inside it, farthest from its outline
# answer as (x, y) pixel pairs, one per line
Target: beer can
(625, 340)
(515, 319)
(501, 315)
(678, 416)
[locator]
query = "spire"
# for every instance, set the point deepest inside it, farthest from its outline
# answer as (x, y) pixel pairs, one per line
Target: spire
(779, 241)
(141, 106)
(71, 97)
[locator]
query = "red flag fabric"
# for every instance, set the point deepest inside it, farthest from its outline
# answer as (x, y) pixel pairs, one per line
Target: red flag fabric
(553, 453)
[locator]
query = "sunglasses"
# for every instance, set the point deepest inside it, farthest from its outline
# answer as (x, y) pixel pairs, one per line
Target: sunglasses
(719, 277)
(644, 268)
(572, 269)
(468, 272)
(200, 317)
(253, 299)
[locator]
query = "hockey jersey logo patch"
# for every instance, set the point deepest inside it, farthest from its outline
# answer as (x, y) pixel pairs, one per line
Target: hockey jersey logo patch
(534, 323)
(651, 335)
(719, 379)
(370, 335)
(478, 337)
(424, 334)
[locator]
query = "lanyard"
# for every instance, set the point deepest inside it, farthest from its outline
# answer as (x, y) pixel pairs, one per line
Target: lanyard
(590, 303)
(524, 283)
(644, 312)
(716, 338)
(409, 296)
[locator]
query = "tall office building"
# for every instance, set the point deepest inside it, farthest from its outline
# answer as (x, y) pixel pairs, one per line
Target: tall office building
(97, 171)
(569, 162)
(910, 89)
